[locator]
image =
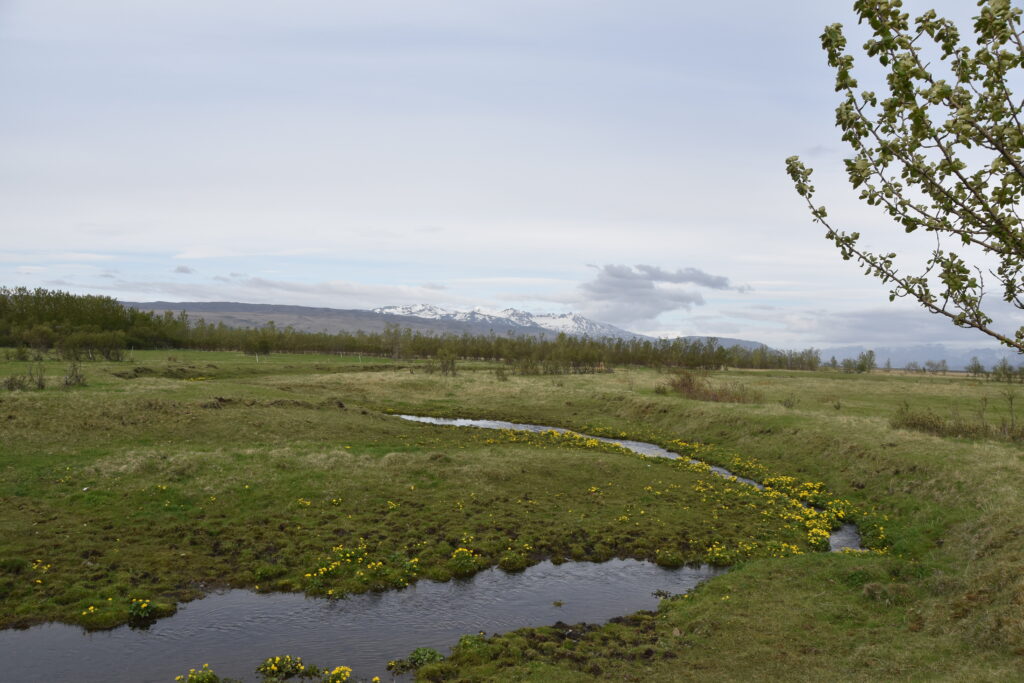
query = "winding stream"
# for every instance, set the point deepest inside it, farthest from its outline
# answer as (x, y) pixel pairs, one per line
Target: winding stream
(845, 537)
(235, 630)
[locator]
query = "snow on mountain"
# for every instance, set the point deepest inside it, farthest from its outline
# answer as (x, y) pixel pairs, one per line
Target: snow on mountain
(569, 323)
(576, 324)
(436, 313)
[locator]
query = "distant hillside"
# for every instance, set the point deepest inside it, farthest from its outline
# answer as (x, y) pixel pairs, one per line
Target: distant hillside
(330, 320)
(956, 358)
(421, 318)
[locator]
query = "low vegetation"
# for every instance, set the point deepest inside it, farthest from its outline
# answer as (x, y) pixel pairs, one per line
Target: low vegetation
(160, 479)
(697, 384)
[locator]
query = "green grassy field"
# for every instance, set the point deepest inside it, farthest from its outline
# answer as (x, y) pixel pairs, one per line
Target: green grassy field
(174, 473)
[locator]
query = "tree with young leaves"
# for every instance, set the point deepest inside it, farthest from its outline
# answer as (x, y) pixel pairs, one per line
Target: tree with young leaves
(940, 151)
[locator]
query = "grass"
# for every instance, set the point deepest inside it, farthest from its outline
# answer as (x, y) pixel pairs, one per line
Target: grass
(240, 448)
(159, 486)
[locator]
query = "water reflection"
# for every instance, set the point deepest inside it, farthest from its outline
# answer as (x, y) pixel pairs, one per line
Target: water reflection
(235, 630)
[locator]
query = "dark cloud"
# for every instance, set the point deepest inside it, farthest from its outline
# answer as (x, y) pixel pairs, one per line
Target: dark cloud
(184, 270)
(684, 276)
(627, 295)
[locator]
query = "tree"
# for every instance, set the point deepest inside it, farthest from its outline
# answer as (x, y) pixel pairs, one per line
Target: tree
(1002, 371)
(939, 152)
(975, 368)
(866, 361)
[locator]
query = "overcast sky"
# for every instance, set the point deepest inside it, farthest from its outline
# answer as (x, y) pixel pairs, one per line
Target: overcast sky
(620, 159)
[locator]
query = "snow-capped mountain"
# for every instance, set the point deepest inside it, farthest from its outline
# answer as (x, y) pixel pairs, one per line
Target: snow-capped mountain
(569, 323)
(436, 313)
(422, 319)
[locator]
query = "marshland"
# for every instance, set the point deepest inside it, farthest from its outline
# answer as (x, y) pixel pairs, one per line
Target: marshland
(171, 475)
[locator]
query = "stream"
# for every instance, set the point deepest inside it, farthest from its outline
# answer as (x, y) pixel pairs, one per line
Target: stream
(235, 630)
(845, 537)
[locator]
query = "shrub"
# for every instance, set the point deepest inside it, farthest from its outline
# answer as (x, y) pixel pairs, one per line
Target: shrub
(697, 385)
(16, 383)
(73, 377)
(37, 377)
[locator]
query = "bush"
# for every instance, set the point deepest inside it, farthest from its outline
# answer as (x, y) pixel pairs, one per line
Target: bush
(35, 379)
(697, 385)
(15, 383)
(73, 377)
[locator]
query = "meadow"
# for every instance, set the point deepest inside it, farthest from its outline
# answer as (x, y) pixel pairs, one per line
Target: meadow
(171, 474)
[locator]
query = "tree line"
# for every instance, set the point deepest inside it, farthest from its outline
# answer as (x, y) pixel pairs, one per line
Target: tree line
(82, 327)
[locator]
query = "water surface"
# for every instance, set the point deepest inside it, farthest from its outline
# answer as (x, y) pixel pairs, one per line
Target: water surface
(235, 630)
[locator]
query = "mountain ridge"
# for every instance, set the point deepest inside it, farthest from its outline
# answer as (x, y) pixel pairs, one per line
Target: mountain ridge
(443, 321)
(569, 323)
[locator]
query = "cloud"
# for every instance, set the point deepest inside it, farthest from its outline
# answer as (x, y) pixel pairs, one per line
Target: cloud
(685, 275)
(627, 295)
(898, 325)
(893, 327)
(330, 294)
(184, 270)
(43, 256)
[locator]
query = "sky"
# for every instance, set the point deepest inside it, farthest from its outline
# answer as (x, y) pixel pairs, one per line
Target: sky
(623, 160)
